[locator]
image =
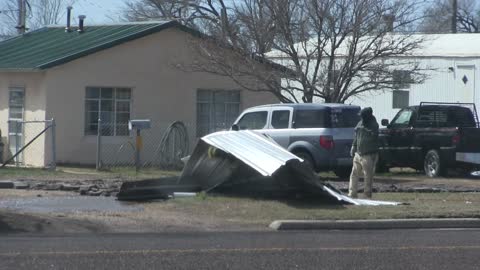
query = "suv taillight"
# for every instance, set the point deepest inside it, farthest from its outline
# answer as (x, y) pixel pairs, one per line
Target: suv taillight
(327, 142)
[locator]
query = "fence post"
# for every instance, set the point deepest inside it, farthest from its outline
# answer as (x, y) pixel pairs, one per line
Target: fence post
(138, 146)
(99, 145)
(17, 137)
(54, 145)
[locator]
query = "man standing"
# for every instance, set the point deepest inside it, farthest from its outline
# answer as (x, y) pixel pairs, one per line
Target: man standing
(364, 152)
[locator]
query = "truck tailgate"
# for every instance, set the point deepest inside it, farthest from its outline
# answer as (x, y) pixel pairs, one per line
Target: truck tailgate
(468, 148)
(469, 140)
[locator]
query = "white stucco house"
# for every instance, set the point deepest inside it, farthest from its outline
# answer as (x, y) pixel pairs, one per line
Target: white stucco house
(117, 72)
(451, 63)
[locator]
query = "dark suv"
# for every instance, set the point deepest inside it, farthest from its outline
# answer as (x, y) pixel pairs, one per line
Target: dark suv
(320, 134)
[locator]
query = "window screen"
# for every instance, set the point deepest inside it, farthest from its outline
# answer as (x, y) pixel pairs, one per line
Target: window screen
(400, 99)
(112, 106)
(216, 110)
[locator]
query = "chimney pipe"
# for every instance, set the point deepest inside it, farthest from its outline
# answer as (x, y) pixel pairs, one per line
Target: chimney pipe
(81, 18)
(69, 15)
(22, 17)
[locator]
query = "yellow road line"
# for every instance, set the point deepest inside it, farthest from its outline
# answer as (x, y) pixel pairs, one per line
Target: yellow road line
(231, 250)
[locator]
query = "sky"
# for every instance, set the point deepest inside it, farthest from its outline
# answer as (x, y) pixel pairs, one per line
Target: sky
(98, 11)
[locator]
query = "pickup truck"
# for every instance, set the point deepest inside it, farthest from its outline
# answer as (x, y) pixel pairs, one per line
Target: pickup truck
(433, 137)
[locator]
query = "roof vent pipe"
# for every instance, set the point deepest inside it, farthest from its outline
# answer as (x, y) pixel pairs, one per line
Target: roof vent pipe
(69, 15)
(81, 18)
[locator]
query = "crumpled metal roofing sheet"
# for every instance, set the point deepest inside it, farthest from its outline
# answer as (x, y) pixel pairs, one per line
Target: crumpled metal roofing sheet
(254, 149)
(345, 198)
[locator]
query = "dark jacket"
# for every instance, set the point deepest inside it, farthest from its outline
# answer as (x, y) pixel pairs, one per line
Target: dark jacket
(366, 137)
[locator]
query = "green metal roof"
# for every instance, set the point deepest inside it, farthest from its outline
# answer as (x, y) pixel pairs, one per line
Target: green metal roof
(52, 46)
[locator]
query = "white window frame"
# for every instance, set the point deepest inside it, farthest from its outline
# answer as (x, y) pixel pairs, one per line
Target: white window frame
(114, 99)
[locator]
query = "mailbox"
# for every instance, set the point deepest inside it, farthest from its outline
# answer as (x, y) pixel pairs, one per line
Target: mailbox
(139, 124)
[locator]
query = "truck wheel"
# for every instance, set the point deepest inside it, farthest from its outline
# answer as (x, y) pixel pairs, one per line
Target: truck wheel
(307, 158)
(433, 164)
(343, 172)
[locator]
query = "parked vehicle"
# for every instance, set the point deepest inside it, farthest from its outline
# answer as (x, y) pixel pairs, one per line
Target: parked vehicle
(320, 134)
(433, 137)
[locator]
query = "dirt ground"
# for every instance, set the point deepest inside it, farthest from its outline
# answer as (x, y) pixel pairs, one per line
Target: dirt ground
(233, 214)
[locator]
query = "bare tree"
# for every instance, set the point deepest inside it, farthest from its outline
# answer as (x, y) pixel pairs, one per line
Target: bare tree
(39, 13)
(440, 15)
(330, 50)
(48, 12)
(8, 17)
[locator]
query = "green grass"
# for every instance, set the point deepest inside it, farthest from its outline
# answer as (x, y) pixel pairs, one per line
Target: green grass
(257, 211)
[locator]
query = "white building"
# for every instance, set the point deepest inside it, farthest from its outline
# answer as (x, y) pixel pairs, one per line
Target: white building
(452, 63)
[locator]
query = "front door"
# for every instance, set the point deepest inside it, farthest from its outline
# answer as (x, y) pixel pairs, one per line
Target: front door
(465, 84)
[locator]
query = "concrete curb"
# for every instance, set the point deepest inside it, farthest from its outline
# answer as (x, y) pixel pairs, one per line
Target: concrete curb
(443, 223)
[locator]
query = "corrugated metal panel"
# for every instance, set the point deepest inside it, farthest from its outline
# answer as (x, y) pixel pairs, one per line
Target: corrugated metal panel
(444, 81)
(255, 150)
(52, 46)
(433, 45)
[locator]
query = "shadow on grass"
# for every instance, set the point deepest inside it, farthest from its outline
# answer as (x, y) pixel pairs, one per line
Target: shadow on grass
(300, 199)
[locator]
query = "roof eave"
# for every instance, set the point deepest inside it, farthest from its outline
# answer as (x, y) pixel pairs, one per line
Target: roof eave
(11, 70)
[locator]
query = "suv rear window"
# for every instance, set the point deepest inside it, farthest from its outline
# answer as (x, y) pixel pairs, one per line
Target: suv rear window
(345, 118)
(311, 119)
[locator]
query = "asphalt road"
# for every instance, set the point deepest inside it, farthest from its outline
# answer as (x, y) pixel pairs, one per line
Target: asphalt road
(380, 249)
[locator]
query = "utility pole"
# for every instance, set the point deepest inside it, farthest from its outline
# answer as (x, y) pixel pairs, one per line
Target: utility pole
(22, 16)
(454, 15)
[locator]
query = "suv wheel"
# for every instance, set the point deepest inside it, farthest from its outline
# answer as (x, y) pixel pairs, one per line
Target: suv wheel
(433, 164)
(307, 158)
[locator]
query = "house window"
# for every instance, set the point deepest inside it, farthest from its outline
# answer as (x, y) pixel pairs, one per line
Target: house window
(112, 105)
(402, 79)
(216, 110)
(400, 99)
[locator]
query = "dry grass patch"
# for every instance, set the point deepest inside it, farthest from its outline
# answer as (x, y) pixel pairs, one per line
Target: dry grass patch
(261, 211)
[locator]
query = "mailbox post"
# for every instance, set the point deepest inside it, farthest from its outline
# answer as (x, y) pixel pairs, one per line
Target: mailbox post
(138, 125)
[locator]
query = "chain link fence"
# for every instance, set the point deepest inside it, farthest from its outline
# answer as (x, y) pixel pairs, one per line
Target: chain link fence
(30, 144)
(161, 146)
